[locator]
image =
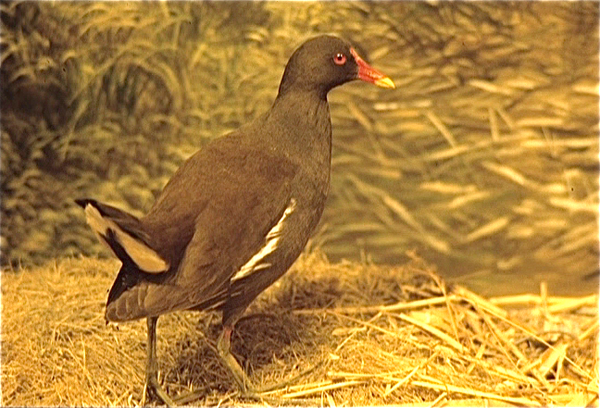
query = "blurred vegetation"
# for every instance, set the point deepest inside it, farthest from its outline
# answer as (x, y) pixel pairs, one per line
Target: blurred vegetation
(486, 156)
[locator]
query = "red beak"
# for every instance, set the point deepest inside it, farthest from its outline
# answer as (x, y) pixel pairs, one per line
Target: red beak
(369, 74)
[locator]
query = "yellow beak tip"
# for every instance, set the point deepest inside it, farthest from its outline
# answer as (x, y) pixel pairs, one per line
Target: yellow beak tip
(385, 82)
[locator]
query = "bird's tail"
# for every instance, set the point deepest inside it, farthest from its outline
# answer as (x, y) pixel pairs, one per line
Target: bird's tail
(124, 235)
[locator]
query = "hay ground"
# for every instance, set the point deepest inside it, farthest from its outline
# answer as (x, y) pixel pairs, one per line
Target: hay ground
(377, 336)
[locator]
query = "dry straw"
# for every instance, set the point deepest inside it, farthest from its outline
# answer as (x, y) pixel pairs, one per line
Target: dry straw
(338, 334)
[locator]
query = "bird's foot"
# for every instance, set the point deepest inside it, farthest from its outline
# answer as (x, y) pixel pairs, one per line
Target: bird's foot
(248, 391)
(269, 394)
(282, 385)
(246, 388)
(153, 389)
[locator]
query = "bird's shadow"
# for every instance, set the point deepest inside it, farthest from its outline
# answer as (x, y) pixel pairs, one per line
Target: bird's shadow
(270, 332)
(271, 336)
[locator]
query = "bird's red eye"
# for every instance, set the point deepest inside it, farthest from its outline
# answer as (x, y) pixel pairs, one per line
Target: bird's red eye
(339, 59)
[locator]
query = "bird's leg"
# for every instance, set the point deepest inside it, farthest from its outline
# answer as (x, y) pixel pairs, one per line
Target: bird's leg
(247, 389)
(224, 352)
(224, 349)
(152, 385)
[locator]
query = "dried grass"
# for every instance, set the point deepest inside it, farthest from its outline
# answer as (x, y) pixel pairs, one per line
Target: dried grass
(367, 335)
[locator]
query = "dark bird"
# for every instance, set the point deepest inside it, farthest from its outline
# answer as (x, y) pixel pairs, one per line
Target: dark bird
(237, 213)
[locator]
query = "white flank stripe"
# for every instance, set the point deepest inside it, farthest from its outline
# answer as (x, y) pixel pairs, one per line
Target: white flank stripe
(143, 256)
(271, 241)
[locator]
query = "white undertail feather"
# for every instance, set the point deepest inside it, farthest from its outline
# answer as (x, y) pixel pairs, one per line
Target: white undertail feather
(144, 257)
(272, 239)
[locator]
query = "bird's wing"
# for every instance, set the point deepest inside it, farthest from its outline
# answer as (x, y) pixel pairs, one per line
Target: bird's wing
(212, 217)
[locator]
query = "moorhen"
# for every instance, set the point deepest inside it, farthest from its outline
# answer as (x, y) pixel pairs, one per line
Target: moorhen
(237, 213)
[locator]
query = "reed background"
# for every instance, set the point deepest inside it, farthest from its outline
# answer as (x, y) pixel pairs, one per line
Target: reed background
(484, 160)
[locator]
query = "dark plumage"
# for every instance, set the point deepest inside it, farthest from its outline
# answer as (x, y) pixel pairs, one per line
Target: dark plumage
(237, 213)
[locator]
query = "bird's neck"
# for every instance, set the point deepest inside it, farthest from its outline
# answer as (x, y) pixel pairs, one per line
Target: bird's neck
(305, 123)
(307, 111)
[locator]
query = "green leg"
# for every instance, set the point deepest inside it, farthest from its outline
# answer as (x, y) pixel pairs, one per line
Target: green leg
(247, 389)
(152, 385)
(224, 349)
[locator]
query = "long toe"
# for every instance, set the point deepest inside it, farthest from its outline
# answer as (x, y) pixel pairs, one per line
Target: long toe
(155, 390)
(245, 386)
(282, 385)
